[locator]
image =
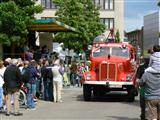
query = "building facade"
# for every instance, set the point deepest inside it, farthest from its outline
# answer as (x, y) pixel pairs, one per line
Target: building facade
(151, 30)
(111, 13)
(136, 38)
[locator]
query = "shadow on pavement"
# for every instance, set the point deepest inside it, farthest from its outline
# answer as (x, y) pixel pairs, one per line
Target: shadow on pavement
(123, 118)
(109, 97)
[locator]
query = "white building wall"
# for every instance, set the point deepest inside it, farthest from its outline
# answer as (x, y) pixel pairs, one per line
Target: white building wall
(117, 13)
(151, 30)
(119, 17)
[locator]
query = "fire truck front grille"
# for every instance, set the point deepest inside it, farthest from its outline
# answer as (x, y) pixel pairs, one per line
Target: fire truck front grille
(107, 71)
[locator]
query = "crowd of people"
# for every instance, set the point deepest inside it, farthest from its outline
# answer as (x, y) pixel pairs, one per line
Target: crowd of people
(148, 79)
(44, 78)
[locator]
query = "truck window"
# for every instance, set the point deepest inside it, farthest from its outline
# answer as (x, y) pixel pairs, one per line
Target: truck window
(101, 51)
(120, 52)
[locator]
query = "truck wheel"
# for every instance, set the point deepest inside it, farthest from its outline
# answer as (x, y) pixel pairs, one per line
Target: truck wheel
(98, 92)
(95, 92)
(102, 92)
(131, 95)
(87, 92)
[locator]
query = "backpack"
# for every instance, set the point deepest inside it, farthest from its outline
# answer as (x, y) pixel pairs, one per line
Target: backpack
(25, 75)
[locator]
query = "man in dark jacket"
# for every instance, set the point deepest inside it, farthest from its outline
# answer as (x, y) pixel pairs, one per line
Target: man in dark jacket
(47, 76)
(140, 71)
(12, 79)
(31, 84)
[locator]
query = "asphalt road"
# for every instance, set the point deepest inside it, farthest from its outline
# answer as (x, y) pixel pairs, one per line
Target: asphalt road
(109, 107)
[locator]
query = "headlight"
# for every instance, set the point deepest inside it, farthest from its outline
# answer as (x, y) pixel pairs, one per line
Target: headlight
(128, 77)
(88, 76)
(120, 67)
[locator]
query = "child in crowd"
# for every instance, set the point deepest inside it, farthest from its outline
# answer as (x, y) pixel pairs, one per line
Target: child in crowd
(154, 63)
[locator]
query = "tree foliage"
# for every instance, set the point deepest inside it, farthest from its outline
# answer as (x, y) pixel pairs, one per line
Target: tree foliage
(158, 4)
(82, 15)
(15, 18)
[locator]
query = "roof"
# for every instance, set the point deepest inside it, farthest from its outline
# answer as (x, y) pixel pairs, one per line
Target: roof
(50, 25)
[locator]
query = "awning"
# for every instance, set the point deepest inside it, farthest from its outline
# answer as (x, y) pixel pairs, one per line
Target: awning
(50, 25)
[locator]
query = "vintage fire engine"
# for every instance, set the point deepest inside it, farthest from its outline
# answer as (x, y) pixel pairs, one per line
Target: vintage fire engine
(113, 68)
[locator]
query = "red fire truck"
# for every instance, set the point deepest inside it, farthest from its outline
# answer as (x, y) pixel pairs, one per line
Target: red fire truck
(113, 68)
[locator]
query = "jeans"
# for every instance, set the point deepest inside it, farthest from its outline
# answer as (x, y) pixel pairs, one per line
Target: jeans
(1, 97)
(31, 93)
(73, 79)
(46, 89)
(37, 86)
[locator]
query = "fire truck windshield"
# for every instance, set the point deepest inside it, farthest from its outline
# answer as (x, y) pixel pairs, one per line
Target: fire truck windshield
(101, 51)
(113, 51)
(121, 52)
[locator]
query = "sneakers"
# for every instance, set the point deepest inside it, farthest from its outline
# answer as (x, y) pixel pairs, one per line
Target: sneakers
(18, 114)
(7, 114)
(15, 114)
(35, 99)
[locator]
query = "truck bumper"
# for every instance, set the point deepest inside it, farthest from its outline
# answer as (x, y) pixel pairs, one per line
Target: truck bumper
(110, 84)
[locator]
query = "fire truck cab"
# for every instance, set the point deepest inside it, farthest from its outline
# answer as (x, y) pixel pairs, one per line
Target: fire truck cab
(113, 68)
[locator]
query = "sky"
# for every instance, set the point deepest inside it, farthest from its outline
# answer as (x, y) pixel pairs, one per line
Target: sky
(135, 10)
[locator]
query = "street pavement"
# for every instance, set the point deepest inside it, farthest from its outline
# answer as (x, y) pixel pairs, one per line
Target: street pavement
(109, 107)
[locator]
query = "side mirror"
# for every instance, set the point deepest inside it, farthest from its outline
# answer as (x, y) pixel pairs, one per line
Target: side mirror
(89, 47)
(88, 64)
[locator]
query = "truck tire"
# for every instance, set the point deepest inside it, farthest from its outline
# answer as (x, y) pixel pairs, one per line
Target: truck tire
(87, 92)
(95, 92)
(131, 95)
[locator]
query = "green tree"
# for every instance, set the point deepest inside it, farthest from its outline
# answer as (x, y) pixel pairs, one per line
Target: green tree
(15, 19)
(158, 4)
(82, 15)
